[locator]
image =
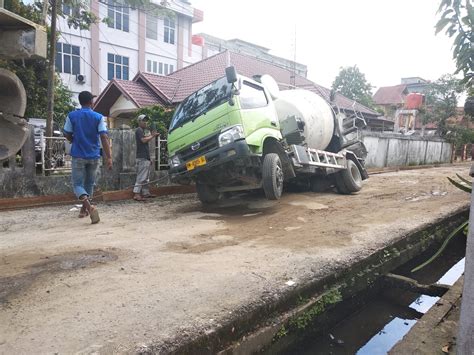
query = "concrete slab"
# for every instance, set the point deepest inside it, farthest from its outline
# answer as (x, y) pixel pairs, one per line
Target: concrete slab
(158, 274)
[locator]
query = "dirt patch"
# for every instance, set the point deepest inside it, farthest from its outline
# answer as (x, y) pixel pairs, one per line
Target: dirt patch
(14, 284)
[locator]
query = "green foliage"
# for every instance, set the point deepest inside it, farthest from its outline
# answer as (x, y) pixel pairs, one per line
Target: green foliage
(441, 100)
(459, 135)
(160, 118)
(351, 83)
(457, 17)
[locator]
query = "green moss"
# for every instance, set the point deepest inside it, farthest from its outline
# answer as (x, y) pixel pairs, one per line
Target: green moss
(303, 320)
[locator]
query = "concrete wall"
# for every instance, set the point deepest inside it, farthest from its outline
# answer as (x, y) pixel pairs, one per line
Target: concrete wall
(387, 150)
(23, 180)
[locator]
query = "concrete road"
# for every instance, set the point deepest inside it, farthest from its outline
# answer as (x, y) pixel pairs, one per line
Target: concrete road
(161, 271)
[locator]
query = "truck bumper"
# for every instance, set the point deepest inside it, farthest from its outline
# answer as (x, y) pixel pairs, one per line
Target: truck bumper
(233, 152)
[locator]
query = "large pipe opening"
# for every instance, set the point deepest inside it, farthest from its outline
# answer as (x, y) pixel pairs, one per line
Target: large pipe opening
(13, 127)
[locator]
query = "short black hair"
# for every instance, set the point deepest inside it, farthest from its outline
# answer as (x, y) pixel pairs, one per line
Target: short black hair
(85, 97)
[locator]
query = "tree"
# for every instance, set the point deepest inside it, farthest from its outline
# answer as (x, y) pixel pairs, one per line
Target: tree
(351, 83)
(457, 16)
(441, 101)
(160, 118)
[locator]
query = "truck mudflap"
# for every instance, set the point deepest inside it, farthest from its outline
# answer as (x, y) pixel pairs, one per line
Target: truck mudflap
(231, 152)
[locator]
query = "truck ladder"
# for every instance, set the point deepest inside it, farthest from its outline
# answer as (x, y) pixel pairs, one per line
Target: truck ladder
(319, 158)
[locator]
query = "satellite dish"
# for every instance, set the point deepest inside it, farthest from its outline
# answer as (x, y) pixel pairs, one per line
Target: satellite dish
(271, 86)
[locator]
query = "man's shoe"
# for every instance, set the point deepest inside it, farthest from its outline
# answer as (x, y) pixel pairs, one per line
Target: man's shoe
(138, 197)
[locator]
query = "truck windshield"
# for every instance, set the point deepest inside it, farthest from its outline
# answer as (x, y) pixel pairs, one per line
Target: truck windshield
(201, 102)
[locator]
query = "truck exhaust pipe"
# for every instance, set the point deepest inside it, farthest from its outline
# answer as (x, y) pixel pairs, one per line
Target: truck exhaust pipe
(13, 127)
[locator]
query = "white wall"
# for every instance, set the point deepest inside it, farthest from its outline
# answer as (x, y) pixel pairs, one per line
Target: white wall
(387, 150)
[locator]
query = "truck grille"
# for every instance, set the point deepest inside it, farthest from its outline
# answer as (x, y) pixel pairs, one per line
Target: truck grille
(205, 145)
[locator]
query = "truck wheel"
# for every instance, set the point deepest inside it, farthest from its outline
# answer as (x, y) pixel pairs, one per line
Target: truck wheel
(272, 176)
(349, 180)
(207, 194)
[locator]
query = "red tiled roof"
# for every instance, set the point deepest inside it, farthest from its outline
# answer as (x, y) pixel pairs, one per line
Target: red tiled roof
(390, 95)
(174, 88)
(140, 94)
(200, 74)
(163, 85)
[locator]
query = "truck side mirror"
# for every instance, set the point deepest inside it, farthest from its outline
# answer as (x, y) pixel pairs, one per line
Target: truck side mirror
(231, 75)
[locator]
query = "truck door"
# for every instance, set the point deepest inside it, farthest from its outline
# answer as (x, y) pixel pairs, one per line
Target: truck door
(258, 114)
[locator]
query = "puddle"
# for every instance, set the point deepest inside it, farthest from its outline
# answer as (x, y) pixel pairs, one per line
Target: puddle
(309, 205)
(374, 328)
(11, 285)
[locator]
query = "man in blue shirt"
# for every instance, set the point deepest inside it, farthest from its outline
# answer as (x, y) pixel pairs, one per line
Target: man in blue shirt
(86, 129)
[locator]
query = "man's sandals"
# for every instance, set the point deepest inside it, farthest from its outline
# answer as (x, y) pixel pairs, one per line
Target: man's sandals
(89, 210)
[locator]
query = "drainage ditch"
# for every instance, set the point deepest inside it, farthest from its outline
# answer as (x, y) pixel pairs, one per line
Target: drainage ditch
(386, 314)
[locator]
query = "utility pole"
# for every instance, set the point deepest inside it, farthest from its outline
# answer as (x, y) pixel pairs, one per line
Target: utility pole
(51, 77)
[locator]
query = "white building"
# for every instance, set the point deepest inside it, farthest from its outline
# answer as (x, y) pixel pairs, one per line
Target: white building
(132, 40)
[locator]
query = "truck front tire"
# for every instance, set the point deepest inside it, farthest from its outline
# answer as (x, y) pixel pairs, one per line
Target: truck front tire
(207, 194)
(272, 176)
(349, 180)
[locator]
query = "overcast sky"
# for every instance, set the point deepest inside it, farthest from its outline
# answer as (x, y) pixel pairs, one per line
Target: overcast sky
(387, 39)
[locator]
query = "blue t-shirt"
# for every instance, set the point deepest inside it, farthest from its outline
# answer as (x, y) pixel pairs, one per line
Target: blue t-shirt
(85, 125)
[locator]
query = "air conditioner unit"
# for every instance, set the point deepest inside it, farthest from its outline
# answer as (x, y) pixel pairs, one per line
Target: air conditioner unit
(80, 78)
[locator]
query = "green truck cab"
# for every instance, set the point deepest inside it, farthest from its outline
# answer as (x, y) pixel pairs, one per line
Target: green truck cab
(227, 137)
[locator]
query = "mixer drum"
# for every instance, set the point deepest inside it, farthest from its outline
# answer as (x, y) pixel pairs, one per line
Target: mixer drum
(13, 127)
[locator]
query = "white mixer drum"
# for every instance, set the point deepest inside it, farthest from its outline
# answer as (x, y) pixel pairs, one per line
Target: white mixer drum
(313, 110)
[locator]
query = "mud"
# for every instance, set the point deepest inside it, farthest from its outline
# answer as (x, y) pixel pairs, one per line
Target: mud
(49, 267)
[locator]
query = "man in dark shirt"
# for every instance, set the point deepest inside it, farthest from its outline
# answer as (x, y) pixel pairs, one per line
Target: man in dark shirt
(86, 130)
(141, 190)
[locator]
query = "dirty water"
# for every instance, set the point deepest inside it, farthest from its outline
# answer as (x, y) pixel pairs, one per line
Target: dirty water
(49, 265)
(384, 319)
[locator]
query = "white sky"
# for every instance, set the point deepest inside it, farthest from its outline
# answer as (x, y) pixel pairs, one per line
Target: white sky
(387, 39)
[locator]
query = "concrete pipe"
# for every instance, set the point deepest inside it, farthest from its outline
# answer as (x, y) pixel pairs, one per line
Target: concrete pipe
(13, 127)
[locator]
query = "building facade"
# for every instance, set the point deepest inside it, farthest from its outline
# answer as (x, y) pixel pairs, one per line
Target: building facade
(129, 41)
(212, 45)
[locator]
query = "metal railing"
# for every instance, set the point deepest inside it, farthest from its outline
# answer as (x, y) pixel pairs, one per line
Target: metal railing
(53, 157)
(161, 154)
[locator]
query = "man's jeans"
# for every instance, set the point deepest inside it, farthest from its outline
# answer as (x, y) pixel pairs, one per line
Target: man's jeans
(143, 174)
(84, 172)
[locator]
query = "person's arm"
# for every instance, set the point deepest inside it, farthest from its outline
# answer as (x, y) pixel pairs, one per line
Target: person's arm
(150, 137)
(68, 130)
(104, 139)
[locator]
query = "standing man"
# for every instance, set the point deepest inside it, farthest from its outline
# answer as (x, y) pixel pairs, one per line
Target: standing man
(83, 128)
(141, 190)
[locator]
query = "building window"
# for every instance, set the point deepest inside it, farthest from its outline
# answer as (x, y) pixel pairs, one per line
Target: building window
(117, 67)
(169, 32)
(151, 27)
(160, 68)
(68, 58)
(118, 16)
(68, 10)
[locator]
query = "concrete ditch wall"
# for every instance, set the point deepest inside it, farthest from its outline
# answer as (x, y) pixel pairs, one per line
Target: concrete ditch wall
(390, 150)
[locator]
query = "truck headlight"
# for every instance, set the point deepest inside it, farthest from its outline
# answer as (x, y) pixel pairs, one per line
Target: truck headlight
(231, 135)
(174, 161)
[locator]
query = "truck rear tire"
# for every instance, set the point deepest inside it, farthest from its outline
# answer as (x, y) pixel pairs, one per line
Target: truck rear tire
(207, 194)
(272, 176)
(349, 180)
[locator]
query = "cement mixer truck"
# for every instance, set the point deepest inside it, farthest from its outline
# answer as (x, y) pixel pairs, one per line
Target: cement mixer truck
(20, 39)
(241, 133)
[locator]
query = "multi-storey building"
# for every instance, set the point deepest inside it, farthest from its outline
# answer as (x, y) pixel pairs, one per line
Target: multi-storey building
(129, 41)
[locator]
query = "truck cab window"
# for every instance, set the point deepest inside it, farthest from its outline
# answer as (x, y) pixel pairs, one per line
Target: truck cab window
(252, 96)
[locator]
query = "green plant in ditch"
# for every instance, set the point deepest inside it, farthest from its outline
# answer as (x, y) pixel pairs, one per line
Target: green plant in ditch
(466, 186)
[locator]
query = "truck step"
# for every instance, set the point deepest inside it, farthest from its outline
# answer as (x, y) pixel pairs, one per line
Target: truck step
(319, 158)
